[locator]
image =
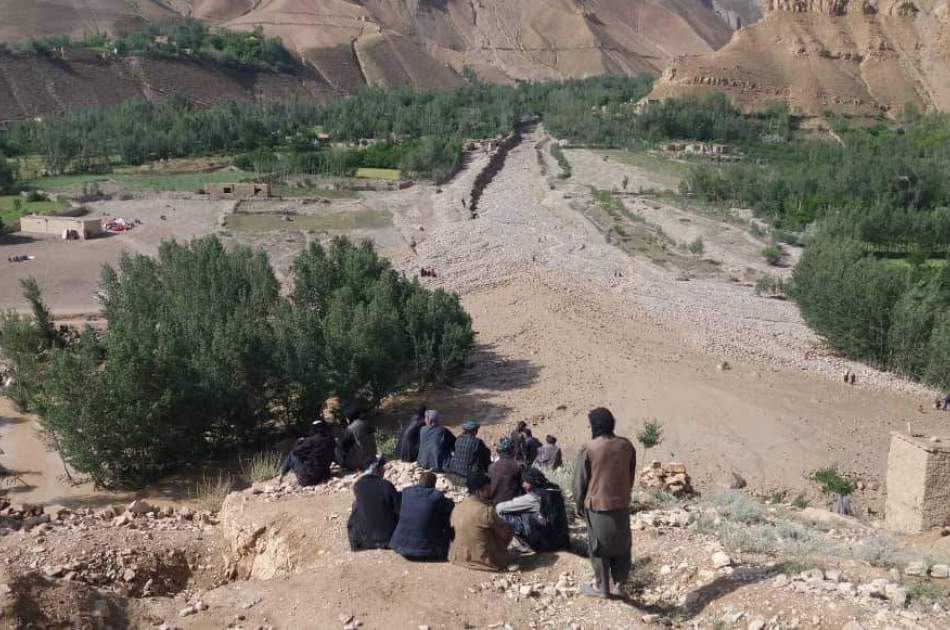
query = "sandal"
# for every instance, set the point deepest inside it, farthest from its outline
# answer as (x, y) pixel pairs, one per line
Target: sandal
(589, 590)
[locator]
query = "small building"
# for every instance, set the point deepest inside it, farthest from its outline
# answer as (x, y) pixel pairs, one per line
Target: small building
(64, 227)
(241, 190)
(918, 483)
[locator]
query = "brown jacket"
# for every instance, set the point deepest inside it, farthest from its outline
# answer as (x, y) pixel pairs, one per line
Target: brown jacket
(609, 469)
(481, 537)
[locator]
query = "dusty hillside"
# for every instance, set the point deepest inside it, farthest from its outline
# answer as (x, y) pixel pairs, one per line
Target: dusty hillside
(33, 86)
(859, 58)
(20, 19)
(431, 41)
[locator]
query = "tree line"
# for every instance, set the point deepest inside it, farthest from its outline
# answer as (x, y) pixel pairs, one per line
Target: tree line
(202, 354)
(187, 38)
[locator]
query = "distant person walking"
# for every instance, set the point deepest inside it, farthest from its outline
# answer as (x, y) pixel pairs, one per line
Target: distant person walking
(407, 448)
(517, 441)
(603, 479)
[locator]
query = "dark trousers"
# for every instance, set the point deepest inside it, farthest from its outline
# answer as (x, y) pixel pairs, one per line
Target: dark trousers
(617, 568)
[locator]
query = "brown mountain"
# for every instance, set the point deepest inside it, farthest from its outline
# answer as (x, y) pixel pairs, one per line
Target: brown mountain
(858, 57)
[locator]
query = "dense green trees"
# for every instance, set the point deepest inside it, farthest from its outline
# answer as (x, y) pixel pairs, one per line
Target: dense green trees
(7, 173)
(202, 354)
(188, 38)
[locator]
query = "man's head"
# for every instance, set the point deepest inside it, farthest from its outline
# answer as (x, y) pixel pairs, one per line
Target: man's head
(478, 484)
(521, 426)
(432, 417)
(352, 413)
(319, 426)
(427, 479)
(527, 433)
(506, 446)
(377, 466)
(421, 411)
(601, 422)
(470, 427)
(533, 478)
(550, 439)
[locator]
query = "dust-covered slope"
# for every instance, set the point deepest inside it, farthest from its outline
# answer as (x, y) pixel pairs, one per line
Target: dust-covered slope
(856, 57)
(430, 42)
(26, 19)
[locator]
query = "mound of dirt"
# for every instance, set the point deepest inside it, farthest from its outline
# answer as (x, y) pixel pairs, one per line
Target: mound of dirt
(857, 58)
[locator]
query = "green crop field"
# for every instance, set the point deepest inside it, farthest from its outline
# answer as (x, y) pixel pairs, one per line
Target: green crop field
(139, 182)
(334, 221)
(9, 213)
(378, 173)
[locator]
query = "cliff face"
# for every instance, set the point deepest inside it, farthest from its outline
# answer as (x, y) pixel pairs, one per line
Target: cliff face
(860, 58)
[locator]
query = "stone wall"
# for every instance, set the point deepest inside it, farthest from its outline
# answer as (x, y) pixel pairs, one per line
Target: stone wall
(918, 483)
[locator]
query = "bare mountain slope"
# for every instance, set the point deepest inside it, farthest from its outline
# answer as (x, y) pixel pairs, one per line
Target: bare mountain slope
(430, 42)
(856, 57)
(24, 19)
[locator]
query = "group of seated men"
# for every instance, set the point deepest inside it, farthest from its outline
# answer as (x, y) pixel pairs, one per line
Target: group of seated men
(509, 498)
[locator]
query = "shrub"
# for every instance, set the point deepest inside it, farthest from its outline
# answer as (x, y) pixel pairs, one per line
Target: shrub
(771, 286)
(558, 155)
(210, 492)
(697, 247)
(262, 466)
(737, 507)
(772, 253)
(801, 501)
(832, 482)
(203, 355)
(651, 435)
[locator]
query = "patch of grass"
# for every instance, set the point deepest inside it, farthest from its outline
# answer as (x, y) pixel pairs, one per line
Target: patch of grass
(881, 551)
(793, 567)
(801, 501)
(771, 286)
(210, 492)
(137, 181)
(772, 253)
(386, 443)
(11, 210)
(335, 221)
(558, 155)
(778, 497)
(925, 592)
(697, 247)
(737, 507)
(670, 171)
(310, 189)
(262, 466)
(643, 500)
(390, 174)
(832, 482)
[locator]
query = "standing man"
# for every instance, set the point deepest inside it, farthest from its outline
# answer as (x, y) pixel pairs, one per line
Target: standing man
(603, 479)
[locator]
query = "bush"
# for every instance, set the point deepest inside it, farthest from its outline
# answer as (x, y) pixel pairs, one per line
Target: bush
(210, 492)
(262, 466)
(771, 286)
(202, 355)
(772, 253)
(737, 507)
(697, 247)
(651, 435)
(558, 155)
(832, 482)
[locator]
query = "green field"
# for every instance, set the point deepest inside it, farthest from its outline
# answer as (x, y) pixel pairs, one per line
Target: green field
(335, 221)
(138, 181)
(287, 190)
(9, 214)
(647, 161)
(378, 173)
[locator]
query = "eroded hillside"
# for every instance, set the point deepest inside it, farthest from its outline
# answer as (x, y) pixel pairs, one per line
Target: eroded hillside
(855, 57)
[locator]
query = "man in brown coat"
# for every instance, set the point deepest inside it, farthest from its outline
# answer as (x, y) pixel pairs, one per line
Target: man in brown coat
(603, 479)
(481, 537)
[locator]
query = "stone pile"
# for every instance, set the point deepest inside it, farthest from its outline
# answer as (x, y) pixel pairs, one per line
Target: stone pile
(831, 582)
(661, 518)
(137, 515)
(671, 478)
(129, 572)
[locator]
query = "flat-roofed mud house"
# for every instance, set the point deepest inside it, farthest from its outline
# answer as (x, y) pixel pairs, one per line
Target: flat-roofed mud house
(241, 190)
(64, 227)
